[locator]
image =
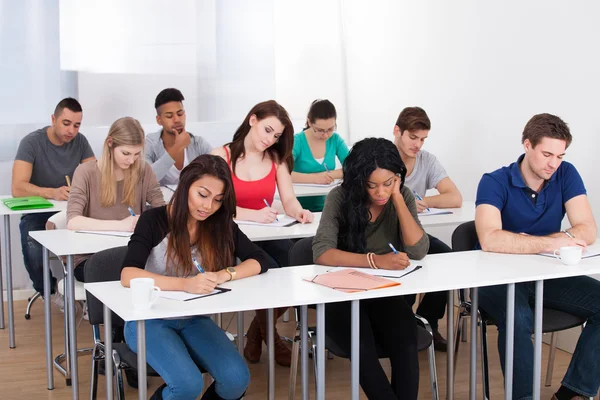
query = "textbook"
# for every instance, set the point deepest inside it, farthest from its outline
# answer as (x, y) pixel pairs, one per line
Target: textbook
(27, 203)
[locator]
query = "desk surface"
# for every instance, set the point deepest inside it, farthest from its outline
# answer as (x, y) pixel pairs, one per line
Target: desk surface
(58, 206)
(286, 287)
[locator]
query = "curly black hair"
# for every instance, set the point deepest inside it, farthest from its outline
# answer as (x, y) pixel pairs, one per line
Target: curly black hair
(364, 158)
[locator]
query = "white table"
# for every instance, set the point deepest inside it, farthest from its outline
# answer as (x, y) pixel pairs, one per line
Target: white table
(459, 215)
(257, 233)
(62, 242)
(442, 272)
(6, 249)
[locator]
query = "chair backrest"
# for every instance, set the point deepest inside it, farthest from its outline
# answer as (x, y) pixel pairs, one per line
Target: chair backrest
(102, 267)
(301, 252)
(57, 221)
(464, 237)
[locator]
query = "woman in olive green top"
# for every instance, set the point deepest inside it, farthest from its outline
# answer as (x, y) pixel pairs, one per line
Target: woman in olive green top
(371, 209)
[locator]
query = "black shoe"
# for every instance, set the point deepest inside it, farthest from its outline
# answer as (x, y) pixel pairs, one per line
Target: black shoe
(439, 343)
(158, 393)
(131, 376)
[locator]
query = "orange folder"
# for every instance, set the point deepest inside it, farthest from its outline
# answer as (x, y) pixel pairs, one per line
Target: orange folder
(351, 281)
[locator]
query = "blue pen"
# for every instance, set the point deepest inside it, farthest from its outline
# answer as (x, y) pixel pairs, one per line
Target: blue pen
(267, 204)
(131, 211)
(393, 248)
(419, 198)
(197, 265)
(326, 169)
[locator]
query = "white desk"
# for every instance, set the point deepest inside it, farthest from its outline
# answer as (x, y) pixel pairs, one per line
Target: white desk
(459, 215)
(442, 272)
(6, 249)
(62, 242)
(258, 233)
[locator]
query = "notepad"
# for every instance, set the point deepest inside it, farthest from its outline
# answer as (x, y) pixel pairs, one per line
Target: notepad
(434, 211)
(383, 273)
(185, 296)
(587, 253)
(108, 233)
(27, 203)
(350, 280)
(282, 221)
(334, 183)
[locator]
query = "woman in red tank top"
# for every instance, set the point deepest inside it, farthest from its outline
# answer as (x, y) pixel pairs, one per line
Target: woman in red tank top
(260, 158)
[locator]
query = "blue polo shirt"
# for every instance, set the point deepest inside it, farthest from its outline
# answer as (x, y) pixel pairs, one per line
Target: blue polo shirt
(523, 210)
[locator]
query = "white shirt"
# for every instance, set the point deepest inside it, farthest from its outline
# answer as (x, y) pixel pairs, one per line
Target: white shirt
(172, 176)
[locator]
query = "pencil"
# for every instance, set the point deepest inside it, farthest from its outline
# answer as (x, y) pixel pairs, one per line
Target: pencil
(68, 181)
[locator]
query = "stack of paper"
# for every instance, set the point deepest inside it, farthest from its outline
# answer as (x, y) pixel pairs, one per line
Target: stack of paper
(434, 211)
(350, 280)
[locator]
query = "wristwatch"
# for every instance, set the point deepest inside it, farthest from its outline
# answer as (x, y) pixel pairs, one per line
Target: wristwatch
(569, 234)
(231, 272)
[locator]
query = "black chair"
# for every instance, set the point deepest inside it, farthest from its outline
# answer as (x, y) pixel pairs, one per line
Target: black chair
(301, 254)
(101, 267)
(464, 238)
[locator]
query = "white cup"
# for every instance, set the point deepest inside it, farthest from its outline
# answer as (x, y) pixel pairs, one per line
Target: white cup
(569, 255)
(143, 293)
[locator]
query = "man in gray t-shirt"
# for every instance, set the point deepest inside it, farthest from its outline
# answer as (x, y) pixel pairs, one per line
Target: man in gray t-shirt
(44, 159)
(425, 172)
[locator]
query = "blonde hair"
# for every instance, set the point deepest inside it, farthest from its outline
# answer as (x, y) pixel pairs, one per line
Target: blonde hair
(125, 131)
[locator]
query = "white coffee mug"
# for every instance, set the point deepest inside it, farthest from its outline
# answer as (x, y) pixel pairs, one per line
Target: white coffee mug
(569, 255)
(143, 293)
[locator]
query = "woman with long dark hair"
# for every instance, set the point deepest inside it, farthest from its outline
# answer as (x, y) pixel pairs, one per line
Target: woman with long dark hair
(371, 209)
(260, 158)
(197, 224)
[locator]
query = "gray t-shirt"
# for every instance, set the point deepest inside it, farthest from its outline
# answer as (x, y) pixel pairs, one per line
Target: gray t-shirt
(51, 162)
(428, 172)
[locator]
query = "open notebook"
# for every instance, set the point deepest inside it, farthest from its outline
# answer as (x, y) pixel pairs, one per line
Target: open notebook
(587, 253)
(282, 221)
(108, 233)
(434, 211)
(350, 280)
(185, 296)
(332, 184)
(383, 273)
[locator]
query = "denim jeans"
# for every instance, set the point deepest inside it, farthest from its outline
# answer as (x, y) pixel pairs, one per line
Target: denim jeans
(579, 296)
(178, 348)
(32, 250)
(433, 304)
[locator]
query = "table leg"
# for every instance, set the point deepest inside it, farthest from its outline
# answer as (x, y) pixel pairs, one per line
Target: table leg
(537, 334)
(141, 360)
(304, 349)
(271, 350)
(450, 350)
(473, 369)
(48, 319)
(320, 352)
(510, 343)
(355, 346)
(9, 288)
(108, 346)
(1, 296)
(72, 327)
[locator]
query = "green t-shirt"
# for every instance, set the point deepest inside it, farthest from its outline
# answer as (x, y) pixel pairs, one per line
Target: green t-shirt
(305, 163)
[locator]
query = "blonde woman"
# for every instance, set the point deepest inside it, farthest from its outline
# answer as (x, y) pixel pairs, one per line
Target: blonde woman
(110, 194)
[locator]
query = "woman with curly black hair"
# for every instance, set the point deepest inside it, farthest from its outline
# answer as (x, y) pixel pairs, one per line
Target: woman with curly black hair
(371, 209)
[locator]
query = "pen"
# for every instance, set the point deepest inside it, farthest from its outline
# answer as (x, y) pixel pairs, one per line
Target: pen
(131, 211)
(326, 169)
(267, 204)
(197, 265)
(393, 248)
(68, 181)
(419, 198)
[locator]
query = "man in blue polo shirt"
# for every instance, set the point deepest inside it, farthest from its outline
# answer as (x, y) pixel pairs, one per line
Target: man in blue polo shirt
(519, 210)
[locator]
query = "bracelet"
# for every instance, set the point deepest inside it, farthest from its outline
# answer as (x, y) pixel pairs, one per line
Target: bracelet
(373, 260)
(369, 260)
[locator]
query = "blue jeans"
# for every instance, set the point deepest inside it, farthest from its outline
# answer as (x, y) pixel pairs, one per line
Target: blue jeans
(579, 296)
(178, 348)
(32, 250)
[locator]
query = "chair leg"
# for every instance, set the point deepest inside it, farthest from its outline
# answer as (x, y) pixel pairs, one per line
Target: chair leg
(32, 300)
(431, 356)
(550, 368)
(117, 366)
(294, 368)
(457, 335)
(313, 342)
(484, 362)
(94, 380)
(465, 328)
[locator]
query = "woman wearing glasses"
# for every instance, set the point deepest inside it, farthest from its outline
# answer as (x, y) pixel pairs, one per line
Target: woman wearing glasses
(315, 150)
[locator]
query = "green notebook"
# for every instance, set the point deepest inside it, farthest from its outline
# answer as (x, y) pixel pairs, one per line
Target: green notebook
(27, 203)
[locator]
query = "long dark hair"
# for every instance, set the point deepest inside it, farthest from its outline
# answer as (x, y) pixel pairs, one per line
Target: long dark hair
(364, 158)
(214, 239)
(281, 151)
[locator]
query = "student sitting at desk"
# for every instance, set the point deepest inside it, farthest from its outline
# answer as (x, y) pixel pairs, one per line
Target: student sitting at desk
(371, 209)
(110, 194)
(424, 172)
(519, 210)
(170, 149)
(197, 223)
(260, 158)
(44, 158)
(315, 150)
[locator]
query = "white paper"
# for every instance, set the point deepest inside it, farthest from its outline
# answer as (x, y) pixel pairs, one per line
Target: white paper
(282, 220)
(171, 187)
(334, 183)
(182, 296)
(383, 273)
(587, 253)
(108, 233)
(434, 211)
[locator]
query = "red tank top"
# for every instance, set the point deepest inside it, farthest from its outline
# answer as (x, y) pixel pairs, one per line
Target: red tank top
(251, 194)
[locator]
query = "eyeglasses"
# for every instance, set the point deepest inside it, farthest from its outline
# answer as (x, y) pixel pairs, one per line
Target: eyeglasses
(324, 131)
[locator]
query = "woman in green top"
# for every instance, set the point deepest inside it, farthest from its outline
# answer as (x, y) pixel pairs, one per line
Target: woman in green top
(315, 149)
(370, 209)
